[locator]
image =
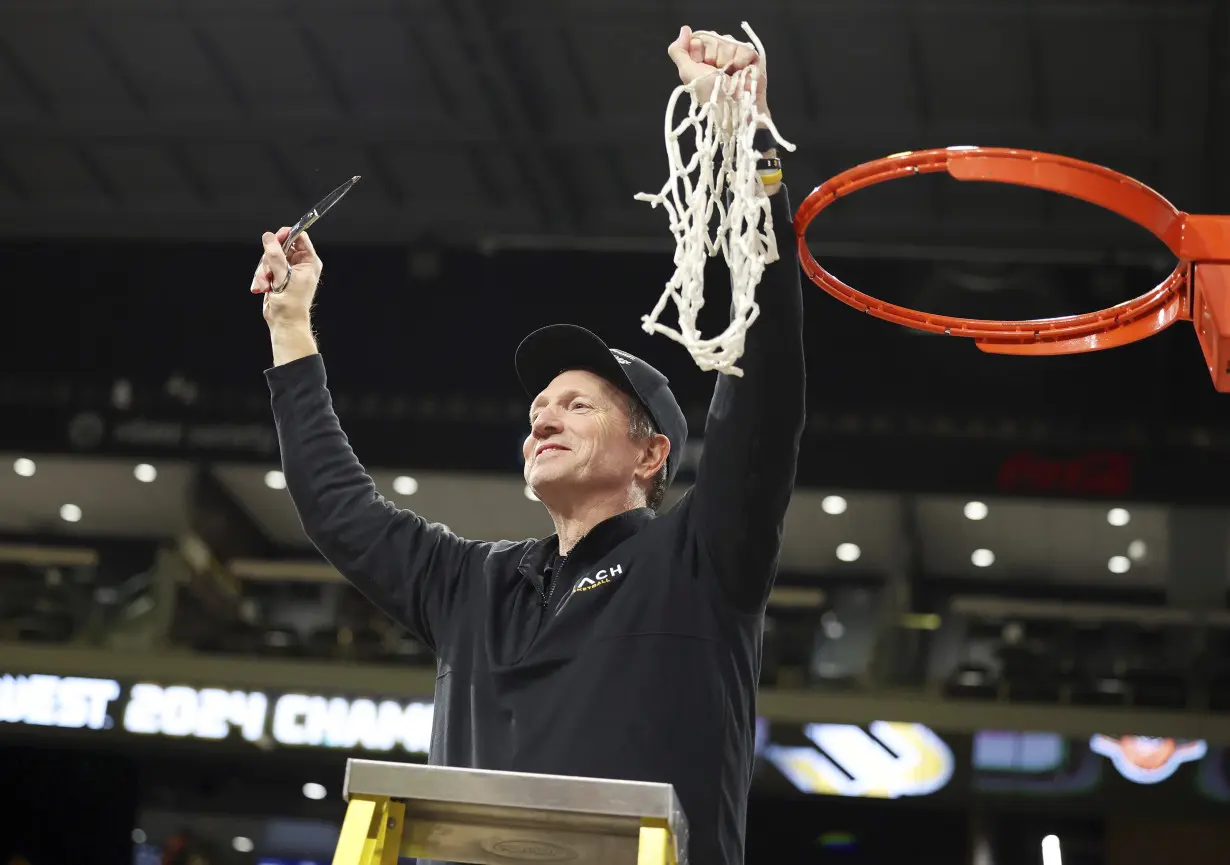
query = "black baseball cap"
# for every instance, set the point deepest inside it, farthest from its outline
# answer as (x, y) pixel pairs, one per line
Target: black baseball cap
(557, 348)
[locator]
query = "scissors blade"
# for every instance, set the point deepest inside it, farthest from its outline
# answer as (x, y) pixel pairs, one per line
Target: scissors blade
(322, 207)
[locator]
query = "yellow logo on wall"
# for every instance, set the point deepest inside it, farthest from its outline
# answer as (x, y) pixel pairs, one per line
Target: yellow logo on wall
(886, 760)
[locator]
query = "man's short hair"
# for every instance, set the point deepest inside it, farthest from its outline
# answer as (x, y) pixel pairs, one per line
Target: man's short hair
(641, 427)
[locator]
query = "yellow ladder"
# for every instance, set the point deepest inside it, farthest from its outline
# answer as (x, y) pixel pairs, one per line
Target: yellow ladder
(491, 818)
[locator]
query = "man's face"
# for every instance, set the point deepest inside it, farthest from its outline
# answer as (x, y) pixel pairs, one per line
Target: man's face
(579, 441)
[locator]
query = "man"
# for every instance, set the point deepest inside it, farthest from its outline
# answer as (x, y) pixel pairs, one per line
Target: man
(627, 645)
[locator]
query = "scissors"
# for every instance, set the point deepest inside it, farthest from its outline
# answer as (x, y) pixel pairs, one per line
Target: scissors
(309, 219)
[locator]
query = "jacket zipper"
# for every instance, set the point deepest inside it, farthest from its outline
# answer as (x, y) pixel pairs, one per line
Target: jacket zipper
(555, 577)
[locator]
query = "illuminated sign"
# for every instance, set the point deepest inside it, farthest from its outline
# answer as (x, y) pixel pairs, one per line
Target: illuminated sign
(1032, 763)
(1147, 759)
(179, 711)
(1040, 763)
(300, 719)
(1099, 474)
(208, 713)
(885, 761)
(51, 701)
(1010, 751)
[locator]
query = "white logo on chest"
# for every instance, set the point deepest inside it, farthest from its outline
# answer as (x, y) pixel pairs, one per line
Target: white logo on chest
(601, 578)
(597, 580)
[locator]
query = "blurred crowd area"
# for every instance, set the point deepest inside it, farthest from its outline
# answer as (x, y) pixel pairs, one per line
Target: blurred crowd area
(1094, 645)
(132, 595)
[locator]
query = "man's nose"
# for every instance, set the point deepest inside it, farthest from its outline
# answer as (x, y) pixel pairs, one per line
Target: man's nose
(546, 423)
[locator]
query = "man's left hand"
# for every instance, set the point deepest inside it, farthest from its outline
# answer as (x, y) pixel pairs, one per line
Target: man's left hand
(700, 57)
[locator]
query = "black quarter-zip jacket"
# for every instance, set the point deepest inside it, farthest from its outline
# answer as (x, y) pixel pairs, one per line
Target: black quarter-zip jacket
(640, 659)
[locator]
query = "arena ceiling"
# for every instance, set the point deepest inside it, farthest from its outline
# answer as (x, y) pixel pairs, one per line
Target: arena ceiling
(535, 123)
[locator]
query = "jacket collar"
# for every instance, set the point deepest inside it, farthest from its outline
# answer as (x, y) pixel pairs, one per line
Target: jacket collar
(601, 539)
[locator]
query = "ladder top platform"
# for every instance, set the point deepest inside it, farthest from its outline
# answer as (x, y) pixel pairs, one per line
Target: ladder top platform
(445, 794)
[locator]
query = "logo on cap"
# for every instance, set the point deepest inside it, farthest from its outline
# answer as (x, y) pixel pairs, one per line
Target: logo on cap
(621, 356)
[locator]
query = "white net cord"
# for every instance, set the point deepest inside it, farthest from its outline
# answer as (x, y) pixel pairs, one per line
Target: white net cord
(725, 161)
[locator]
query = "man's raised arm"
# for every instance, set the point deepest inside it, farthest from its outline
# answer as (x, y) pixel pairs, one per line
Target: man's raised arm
(409, 568)
(747, 470)
(751, 446)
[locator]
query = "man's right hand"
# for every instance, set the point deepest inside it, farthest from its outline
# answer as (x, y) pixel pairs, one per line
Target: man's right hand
(288, 312)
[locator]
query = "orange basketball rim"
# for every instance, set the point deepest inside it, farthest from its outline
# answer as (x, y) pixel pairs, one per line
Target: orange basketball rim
(1198, 290)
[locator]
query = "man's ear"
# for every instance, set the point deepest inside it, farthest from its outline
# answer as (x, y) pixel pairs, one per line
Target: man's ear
(653, 455)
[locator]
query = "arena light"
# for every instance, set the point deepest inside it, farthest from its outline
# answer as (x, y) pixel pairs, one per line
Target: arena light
(145, 473)
(1137, 550)
(24, 467)
(1119, 564)
(314, 791)
(243, 845)
(70, 513)
(275, 480)
(1050, 851)
(1118, 517)
(848, 552)
(405, 485)
(982, 558)
(976, 510)
(832, 626)
(833, 505)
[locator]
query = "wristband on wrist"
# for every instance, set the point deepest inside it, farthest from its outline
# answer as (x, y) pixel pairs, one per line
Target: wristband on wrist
(770, 170)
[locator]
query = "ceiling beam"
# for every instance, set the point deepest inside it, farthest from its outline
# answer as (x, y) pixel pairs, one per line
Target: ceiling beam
(640, 130)
(519, 119)
(26, 80)
(1144, 10)
(634, 229)
(10, 181)
(916, 63)
(234, 128)
(229, 221)
(1217, 138)
(231, 84)
(1036, 85)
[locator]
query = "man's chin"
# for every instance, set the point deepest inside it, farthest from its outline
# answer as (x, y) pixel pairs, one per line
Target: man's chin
(546, 484)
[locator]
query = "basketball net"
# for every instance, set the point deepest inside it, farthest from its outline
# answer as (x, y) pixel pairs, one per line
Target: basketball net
(724, 165)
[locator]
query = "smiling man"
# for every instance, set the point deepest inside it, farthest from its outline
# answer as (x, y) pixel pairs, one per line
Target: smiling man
(606, 434)
(627, 644)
